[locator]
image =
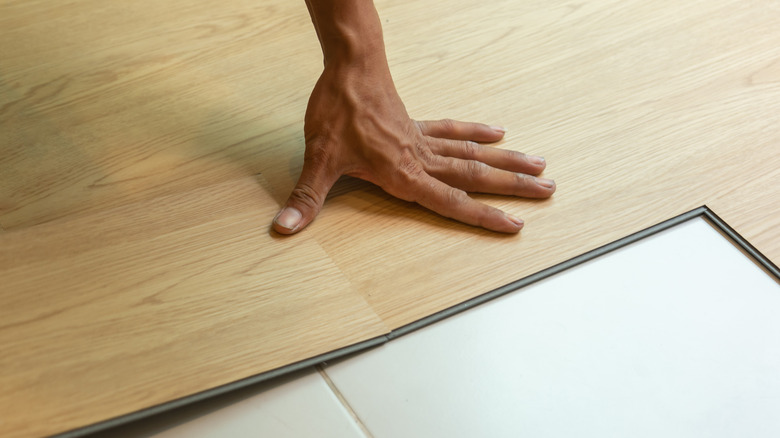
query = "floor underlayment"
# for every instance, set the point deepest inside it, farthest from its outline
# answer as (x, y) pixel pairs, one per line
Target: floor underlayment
(145, 149)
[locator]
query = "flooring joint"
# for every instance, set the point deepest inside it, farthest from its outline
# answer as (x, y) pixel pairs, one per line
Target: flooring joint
(703, 212)
(545, 273)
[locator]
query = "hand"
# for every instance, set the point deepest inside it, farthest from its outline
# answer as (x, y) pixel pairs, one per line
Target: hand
(356, 125)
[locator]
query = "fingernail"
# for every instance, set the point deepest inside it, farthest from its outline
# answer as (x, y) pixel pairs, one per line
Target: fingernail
(539, 161)
(288, 218)
(517, 221)
(546, 183)
(500, 129)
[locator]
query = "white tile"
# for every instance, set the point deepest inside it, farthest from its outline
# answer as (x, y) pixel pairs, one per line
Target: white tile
(677, 335)
(300, 405)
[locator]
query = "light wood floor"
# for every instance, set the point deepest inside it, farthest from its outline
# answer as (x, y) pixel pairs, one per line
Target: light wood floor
(145, 148)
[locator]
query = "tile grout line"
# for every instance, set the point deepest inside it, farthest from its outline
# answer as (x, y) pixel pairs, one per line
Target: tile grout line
(343, 401)
(243, 383)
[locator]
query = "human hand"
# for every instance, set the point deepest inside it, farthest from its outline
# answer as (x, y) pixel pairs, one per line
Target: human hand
(356, 125)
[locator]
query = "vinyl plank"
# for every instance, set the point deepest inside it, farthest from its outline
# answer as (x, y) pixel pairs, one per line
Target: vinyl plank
(130, 150)
(145, 100)
(643, 111)
(160, 308)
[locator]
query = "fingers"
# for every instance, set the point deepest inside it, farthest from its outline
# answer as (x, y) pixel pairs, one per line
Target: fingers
(306, 199)
(455, 130)
(475, 176)
(456, 204)
(494, 157)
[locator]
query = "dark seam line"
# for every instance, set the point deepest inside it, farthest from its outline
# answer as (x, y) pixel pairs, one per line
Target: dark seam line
(702, 211)
(503, 290)
(533, 278)
(278, 372)
(760, 258)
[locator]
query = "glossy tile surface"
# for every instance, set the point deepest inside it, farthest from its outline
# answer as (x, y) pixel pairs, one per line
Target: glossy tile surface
(299, 405)
(675, 335)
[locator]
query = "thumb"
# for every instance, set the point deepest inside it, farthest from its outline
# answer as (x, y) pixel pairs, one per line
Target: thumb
(305, 201)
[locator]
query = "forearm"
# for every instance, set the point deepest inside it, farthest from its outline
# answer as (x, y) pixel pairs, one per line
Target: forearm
(349, 31)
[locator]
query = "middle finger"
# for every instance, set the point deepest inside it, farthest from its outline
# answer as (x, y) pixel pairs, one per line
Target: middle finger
(495, 157)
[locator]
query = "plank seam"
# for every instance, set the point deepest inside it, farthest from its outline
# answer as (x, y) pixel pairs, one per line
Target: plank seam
(317, 361)
(262, 377)
(545, 273)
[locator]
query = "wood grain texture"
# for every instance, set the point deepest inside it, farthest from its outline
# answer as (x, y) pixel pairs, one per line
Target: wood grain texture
(146, 100)
(173, 294)
(643, 111)
(145, 148)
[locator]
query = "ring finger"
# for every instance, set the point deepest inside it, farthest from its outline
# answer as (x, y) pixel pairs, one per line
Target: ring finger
(479, 177)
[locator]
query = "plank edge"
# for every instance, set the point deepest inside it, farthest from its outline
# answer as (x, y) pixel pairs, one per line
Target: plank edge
(239, 384)
(703, 212)
(700, 212)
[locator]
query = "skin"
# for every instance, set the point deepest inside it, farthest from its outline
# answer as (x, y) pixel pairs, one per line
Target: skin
(357, 125)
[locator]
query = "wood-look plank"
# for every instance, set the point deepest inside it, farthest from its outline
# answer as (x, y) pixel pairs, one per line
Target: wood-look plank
(145, 100)
(137, 266)
(643, 111)
(103, 316)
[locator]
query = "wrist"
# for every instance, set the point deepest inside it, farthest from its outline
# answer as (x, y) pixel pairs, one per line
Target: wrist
(352, 48)
(350, 32)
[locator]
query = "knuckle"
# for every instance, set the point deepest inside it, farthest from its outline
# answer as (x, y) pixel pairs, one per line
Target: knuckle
(455, 199)
(477, 169)
(307, 195)
(449, 126)
(423, 151)
(447, 123)
(317, 157)
(510, 157)
(470, 150)
(409, 168)
(482, 220)
(522, 180)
